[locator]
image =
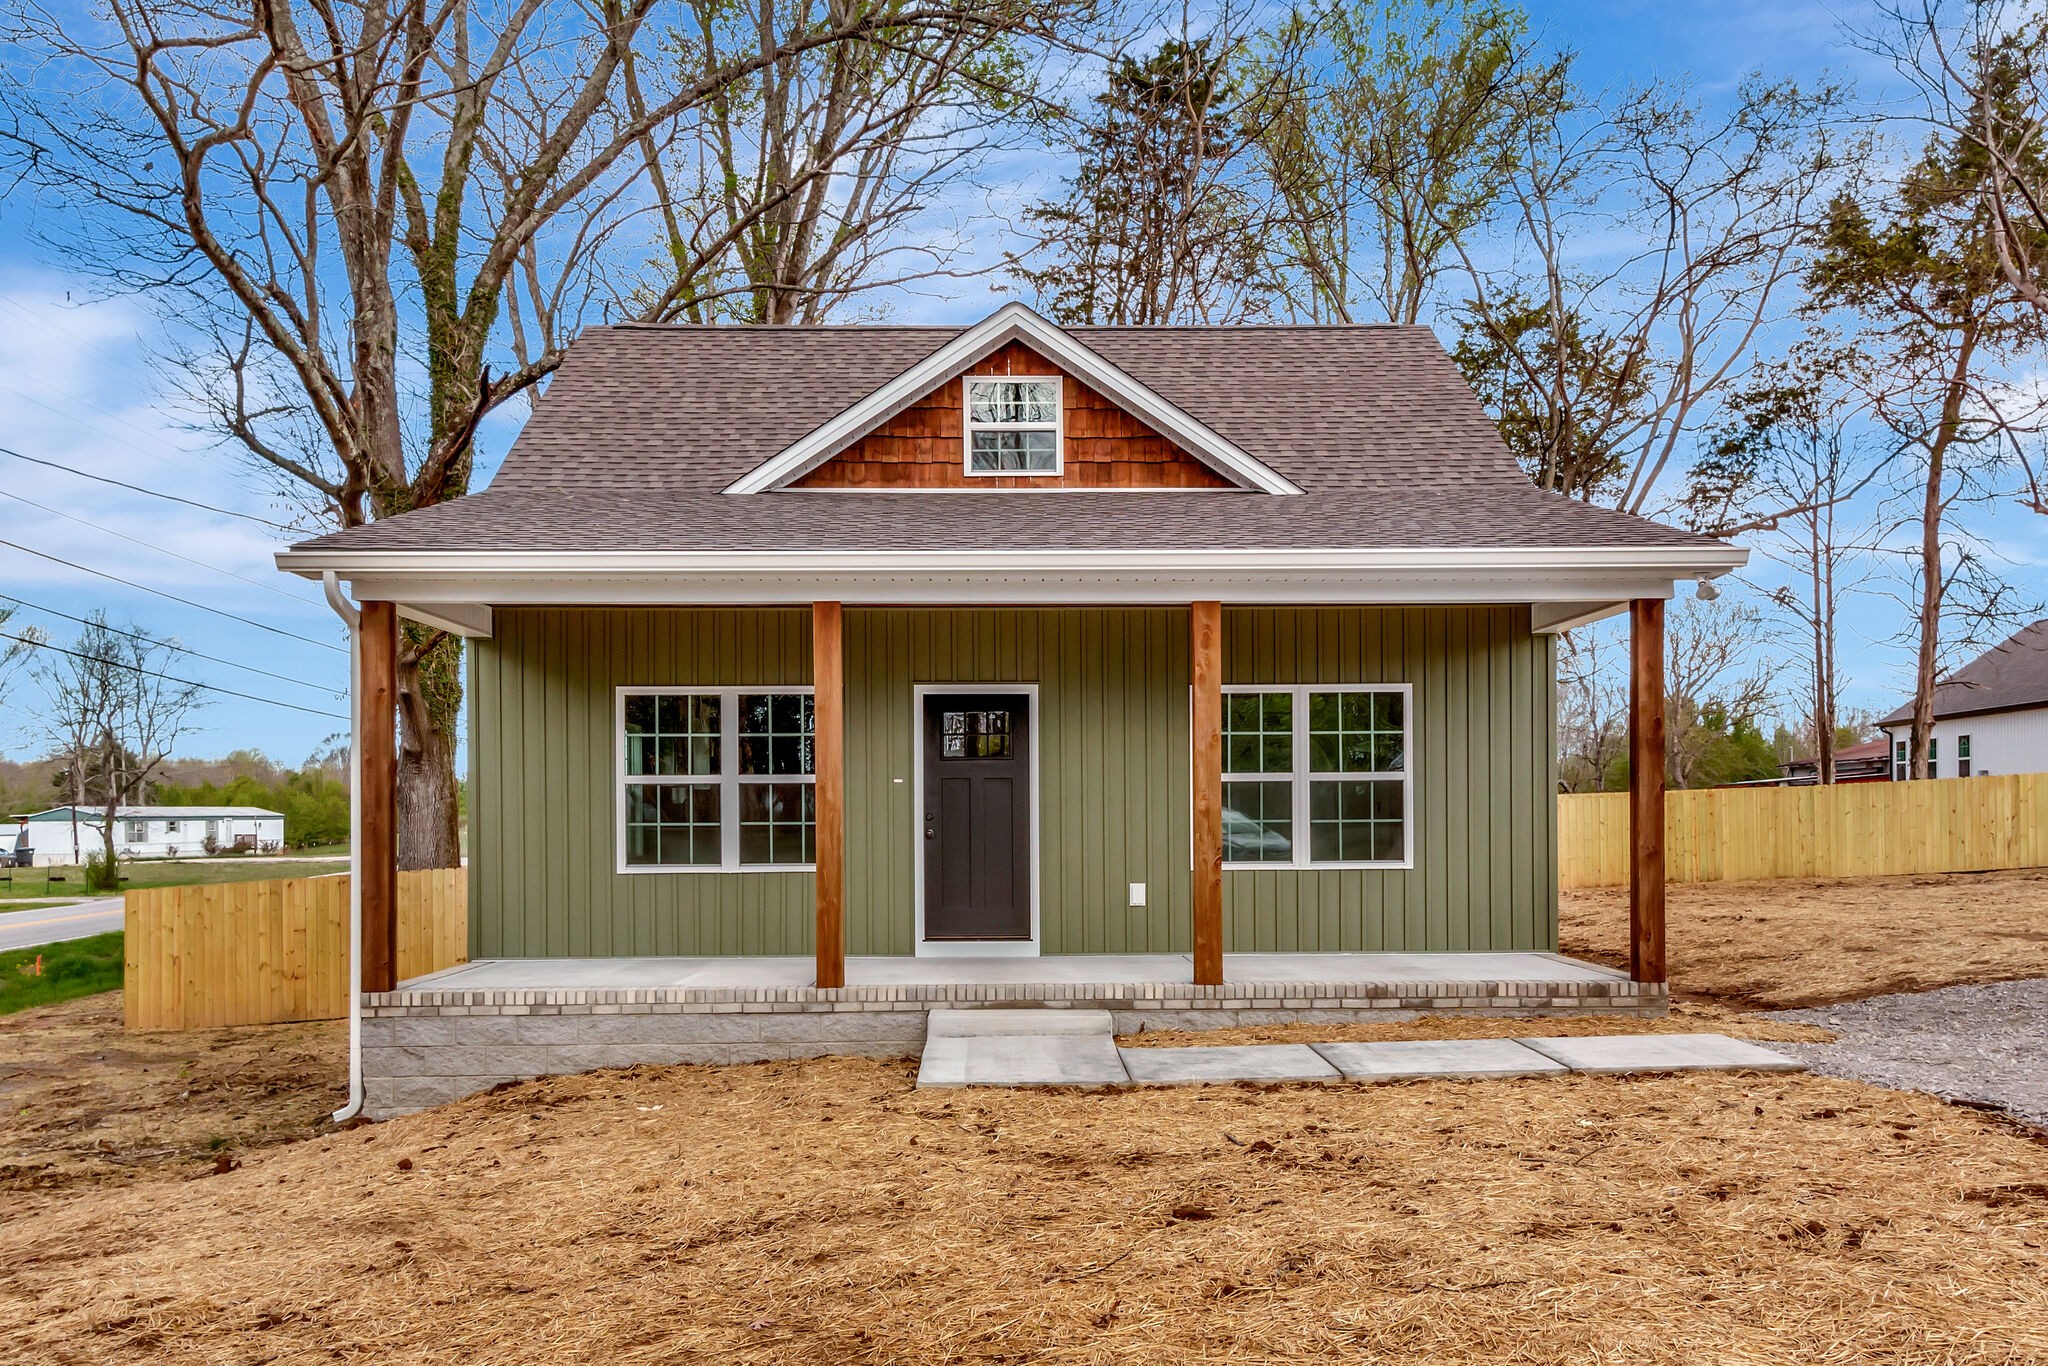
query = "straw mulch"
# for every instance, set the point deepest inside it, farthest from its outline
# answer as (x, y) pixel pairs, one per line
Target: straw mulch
(1809, 942)
(83, 1101)
(825, 1211)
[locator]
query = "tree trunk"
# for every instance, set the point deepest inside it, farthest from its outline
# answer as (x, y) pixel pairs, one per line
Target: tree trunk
(1823, 665)
(1931, 582)
(429, 705)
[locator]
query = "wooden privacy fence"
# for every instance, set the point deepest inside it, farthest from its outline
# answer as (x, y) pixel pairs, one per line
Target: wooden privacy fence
(268, 952)
(1729, 834)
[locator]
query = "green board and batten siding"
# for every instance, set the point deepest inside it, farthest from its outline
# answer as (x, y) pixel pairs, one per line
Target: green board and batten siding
(1113, 777)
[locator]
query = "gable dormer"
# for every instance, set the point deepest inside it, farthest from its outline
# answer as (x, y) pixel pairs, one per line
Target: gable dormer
(1012, 403)
(1014, 420)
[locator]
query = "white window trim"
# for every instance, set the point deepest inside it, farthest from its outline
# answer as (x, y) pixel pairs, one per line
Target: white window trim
(728, 781)
(1058, 426)
(1300, 777)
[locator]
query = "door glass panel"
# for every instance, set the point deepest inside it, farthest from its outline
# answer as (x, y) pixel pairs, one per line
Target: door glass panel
(974, 735)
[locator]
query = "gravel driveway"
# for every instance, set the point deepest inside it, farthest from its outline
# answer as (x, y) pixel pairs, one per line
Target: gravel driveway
(1985, 1045)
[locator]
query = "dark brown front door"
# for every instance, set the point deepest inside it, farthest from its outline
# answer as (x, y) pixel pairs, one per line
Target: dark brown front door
(977, 816)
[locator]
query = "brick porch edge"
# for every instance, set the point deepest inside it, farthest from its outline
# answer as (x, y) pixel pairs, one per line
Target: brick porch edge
(426, 1048)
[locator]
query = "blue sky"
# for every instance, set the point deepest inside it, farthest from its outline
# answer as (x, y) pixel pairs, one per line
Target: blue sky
(78, 386)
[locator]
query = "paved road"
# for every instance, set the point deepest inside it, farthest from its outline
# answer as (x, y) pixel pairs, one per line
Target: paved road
(79, 920)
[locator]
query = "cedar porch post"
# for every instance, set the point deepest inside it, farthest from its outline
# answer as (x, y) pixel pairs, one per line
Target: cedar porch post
(1205, 640)
(828, 741)
(377, 638)
(1646, 790)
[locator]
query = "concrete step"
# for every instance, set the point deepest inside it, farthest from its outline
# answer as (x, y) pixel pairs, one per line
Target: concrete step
(1021, 1060)
(983, 1024)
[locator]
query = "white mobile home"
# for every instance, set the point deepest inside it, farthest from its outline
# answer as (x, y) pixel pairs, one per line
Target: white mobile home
(65, 834)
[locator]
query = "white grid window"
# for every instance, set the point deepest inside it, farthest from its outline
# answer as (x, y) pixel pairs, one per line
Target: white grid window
(1013, 425)
(716, 779)
(1317, 776)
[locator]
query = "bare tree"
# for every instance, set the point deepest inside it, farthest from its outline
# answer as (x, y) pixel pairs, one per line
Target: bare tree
(1715, 682)
(1600, 363)
(1592, 707)
(1796, 441)
(348, 193)
(114, 714)
(1392, 134)
(819, 177)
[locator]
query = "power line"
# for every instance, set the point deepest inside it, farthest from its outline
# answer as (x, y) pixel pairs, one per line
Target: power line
(171, 597)
(182, 649)
(161, 550)
(187, 682)
(137, 488)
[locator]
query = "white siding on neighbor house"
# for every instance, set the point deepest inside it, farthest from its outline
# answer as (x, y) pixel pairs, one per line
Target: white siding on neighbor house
(54, 842)
(2001, 742)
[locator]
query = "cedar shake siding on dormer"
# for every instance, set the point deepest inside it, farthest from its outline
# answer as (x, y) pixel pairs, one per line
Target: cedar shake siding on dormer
(922, 447)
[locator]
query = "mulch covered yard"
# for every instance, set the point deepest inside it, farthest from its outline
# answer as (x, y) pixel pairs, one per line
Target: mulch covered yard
(826, 1211)
(179, 1197)
(1809, 942)
(85, 1102)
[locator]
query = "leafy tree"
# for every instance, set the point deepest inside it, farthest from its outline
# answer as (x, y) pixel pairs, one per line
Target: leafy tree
(1917, 260)
(1157, 223)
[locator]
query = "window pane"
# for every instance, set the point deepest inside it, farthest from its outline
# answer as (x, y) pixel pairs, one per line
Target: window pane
(974, 735)
(1021, 452)
(672, 824)
(672, 735)
(778, 822)
(1355, 732)
(1014, 400)
(1258, 733)
(1258, 822)
(1356, 821)
(776, 733)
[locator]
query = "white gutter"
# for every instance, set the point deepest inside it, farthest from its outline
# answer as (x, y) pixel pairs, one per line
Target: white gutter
(353, 620)
(1681, 561)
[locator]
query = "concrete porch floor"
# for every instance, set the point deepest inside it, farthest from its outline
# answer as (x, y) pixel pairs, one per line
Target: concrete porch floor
(1064, 971)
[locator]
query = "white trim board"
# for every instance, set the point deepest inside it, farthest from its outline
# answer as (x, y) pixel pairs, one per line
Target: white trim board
(1011, 322)
(971, 948)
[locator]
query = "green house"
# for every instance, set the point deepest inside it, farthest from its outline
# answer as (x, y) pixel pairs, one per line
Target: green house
(816, 660)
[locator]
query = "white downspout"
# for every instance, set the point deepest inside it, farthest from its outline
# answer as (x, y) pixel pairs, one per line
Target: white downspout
(350, 617)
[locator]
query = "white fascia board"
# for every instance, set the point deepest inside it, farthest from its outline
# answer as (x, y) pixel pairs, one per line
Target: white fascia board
(1540, 575)
(1011, 322)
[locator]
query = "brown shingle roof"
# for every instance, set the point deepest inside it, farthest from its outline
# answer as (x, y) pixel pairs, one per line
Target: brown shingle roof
(643, 427)
(2014, 674)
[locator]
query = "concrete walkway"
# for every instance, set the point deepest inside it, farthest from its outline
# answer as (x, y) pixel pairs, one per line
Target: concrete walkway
(1077, 1048)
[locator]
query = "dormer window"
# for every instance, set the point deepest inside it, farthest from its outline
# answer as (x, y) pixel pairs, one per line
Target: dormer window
(1013, 426)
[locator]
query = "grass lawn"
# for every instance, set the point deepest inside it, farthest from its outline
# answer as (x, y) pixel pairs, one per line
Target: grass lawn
(34, 882)
(1809, 942)
(6, 906)
(72, 968)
